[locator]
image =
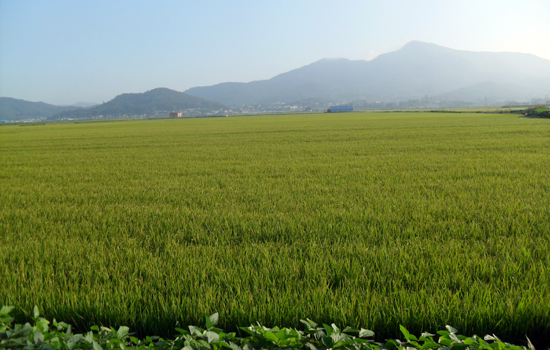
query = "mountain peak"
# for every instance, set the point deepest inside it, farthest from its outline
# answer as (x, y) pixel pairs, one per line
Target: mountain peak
(159, 89)
(416, 45)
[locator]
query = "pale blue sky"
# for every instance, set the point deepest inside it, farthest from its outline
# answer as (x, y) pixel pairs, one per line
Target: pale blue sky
(62, 52)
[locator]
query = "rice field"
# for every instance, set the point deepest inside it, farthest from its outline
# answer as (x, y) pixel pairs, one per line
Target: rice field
(364, 219)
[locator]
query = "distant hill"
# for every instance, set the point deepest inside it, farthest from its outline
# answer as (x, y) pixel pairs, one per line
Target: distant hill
(149, 103)
(84, 104)
(416, 70)
(14, 109)
(490, 90)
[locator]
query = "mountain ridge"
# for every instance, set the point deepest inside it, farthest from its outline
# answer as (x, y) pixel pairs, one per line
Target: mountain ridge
(415, 70)
(144, 103)
(15, 109)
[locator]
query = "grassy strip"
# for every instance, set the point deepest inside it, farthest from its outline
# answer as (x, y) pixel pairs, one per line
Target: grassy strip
(313, 337)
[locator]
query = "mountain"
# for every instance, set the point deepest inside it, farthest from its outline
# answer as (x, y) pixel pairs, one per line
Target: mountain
(160, 100)
(14, 109)
(490, 90)
(84, 104)
(416, 70)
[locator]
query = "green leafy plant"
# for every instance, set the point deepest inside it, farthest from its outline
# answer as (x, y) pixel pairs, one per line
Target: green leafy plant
(41, 335)
(539, 111)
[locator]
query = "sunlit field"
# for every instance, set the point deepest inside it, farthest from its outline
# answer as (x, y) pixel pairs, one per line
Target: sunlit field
(363, 219)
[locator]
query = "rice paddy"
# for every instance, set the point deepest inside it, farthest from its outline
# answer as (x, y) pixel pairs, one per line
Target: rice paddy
(363, 219)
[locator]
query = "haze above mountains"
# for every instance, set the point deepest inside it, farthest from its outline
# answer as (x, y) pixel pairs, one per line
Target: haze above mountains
(416, 70)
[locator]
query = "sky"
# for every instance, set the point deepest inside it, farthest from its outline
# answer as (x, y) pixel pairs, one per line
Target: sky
(64, 52)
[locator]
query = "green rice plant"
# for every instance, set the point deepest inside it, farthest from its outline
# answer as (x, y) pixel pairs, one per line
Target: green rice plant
(364, 219)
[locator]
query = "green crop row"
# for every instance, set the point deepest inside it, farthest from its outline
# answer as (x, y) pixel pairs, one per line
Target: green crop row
(372, 219)
(314, 337)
